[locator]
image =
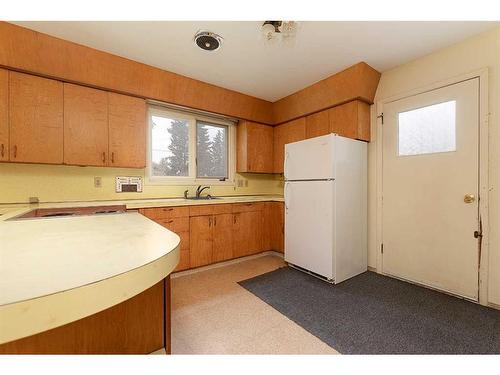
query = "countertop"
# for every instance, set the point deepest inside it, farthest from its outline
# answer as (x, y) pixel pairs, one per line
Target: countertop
(60, 269)
(57, 270)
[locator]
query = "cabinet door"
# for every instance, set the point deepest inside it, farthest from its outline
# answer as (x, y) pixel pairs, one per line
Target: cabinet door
(4, 115)
(255, 148)
(247, 233)
(223, 237)
(127, 131)
(289, 132)
(277, 226)
(85, 126)
(317, 124)
(200, 240)
(351, 120)
(36, 119)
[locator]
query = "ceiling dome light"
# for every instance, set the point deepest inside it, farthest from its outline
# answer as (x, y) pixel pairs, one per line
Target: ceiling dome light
(208, 41)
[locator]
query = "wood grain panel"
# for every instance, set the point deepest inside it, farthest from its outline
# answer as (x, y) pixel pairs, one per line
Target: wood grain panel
(351, 120)
(4, 115)
(210, 209)
(359, 81)
(167, 326)
(223, 237)
(277, 223)
(292, 131)
(36, 119)
(247, 233)
(85, 126)
(254, 148)
(127, 131)
(200, 240)
(135, 326)
(317, 124)
(30, 51)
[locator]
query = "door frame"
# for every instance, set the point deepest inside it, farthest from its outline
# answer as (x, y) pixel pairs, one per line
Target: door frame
(482, 75)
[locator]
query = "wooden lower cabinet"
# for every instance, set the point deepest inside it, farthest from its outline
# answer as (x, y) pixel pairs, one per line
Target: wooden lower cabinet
(222, 237)
(139, 325)
(201, 241)
(247, 233)
(218, 232)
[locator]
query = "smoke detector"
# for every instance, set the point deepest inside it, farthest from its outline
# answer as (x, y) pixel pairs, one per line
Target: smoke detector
(208, 41)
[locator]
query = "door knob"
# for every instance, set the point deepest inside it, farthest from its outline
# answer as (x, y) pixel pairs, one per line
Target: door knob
(469, 198)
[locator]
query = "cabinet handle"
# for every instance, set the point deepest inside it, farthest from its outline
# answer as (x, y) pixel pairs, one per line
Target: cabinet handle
(215, 221)
(112, 157)
(234, 219)
(15, 151)
(104, 157)
(209, 222)
(167, 209)
(2, 150)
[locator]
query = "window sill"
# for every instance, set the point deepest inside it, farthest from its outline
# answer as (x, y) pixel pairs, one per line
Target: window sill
(165, 181)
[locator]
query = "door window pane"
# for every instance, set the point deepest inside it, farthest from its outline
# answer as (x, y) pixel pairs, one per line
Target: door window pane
(427, 130)
(211, 150)
(169, 146)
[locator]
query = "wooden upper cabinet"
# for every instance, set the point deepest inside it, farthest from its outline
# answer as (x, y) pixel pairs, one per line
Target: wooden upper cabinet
(36, 119)
(289, 132)
(85, 126)
(4, 115)
(127, 131)
(317, 124)
(254, 147)
(351, 120)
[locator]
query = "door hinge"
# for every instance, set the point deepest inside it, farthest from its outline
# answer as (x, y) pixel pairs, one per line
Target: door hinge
(381, 116)
(381, 248)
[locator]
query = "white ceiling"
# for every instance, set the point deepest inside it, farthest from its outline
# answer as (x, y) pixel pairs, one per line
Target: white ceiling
(247, 64)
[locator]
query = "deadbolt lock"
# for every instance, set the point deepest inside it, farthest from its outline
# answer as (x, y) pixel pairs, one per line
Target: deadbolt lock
(469, 198)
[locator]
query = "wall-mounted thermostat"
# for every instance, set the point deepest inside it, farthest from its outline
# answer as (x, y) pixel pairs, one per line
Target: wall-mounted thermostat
(129, 184)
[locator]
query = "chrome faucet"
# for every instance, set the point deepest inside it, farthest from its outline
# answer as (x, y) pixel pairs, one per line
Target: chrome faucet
(200, 189)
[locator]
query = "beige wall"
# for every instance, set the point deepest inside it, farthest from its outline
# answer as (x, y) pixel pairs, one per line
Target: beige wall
(55, 183)
(472, 54)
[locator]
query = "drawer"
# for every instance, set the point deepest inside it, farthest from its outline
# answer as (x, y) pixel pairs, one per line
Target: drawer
(165, 212)
(176, 224)
(248, 207)
(210, 209)
(183, 261)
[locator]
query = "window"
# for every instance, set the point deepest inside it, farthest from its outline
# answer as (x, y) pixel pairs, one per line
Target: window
(185, 148)
(427, 130)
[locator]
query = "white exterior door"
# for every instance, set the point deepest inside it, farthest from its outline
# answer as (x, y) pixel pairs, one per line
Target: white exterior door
(309, 225)
(430, 188)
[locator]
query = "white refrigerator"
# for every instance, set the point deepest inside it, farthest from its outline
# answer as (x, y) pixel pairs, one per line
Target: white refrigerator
(326, 206)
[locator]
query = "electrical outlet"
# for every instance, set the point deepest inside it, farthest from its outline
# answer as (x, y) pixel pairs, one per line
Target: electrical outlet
(97, 182)
(241, 183)
(246, 183)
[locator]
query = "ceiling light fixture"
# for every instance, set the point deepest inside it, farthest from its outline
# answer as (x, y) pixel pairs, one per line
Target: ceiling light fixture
(284, 30)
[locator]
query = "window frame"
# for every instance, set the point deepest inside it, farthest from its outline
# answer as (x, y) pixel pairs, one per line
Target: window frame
(191, 179)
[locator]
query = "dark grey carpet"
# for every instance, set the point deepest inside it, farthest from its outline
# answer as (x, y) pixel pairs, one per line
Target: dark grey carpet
(374, 314)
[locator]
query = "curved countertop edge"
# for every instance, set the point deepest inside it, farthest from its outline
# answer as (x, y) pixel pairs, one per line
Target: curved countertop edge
(29, 317)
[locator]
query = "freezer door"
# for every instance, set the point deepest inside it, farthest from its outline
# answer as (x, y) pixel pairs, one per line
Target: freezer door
(309, 226)
(311, 159)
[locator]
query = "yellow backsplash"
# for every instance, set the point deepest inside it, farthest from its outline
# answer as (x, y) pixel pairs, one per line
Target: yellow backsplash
(59, 183)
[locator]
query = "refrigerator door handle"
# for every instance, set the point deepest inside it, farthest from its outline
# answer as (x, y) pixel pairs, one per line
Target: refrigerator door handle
(287, 199)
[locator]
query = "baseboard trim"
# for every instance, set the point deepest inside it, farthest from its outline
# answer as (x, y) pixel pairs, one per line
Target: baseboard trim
(225, 263)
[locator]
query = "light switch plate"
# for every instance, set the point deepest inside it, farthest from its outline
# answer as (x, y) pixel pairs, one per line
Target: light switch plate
(97, 182)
